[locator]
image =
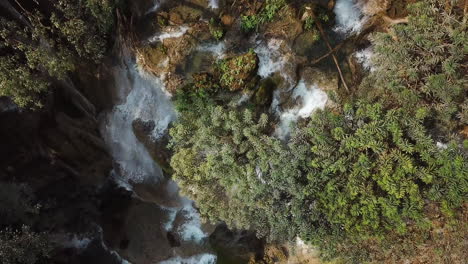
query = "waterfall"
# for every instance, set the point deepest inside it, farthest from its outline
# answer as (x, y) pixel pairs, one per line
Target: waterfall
(143, 97)
(310, 99)
(348, 16)
(213, 4)
(147, 101)
(173, 32)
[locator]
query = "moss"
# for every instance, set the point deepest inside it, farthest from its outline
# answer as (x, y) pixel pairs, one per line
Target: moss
(154, 54)
(185, 14)
(216, 29)
(264, 94)
(238, 72)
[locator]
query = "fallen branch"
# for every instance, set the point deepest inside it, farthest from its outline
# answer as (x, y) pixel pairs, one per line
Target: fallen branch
(392, 21)
(327, 54)
(332, 52)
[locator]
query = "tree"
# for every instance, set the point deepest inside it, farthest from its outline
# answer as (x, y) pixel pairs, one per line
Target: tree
(50, 46)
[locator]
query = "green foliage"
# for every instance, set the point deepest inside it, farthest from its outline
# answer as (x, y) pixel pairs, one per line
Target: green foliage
(249, 22)
(216, 30)
(420, 64)
(196, 94)
(266, 14)
(50, 46)
(373, 169)
(235, 72)
(362, 174)
(225, 160)
(18, 243)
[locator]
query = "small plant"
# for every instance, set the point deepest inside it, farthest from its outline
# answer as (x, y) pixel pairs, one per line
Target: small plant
(215, 29)
(309, 23)
(249, 23)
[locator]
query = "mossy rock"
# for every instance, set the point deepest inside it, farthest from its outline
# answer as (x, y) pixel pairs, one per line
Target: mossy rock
(264, 94)
(239, 72)
(154, 54)
(203, 81)
(185, 14)
(303, 45)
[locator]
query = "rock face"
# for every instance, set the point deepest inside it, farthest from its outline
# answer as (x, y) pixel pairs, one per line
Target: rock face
(235, 247)
(156, 147)
(163, 57)
(57, 152)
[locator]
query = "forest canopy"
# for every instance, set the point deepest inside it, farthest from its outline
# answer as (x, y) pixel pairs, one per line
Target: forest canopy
(47, 42)
(366, 171)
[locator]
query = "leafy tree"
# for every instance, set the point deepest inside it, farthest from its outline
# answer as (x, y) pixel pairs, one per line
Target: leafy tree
(50, 46)
(420, 64)
(364, 172)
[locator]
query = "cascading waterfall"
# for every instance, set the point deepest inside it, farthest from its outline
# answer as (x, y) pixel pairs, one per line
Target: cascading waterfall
(349, 17)
(143, 97)
(145, 101)
(214, 4)
(310, 99)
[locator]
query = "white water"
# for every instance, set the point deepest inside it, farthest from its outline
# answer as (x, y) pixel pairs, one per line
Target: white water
(172, 32)
(198, 259)
(310, 99)
(364, 57)
(147, 101)
(349, 17)
(214, 4)
(218, 49)
(143, 97)
(77, 242)
(156, 5)
(271, 60)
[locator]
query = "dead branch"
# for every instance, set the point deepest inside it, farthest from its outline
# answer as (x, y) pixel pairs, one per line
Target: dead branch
(395, 21)
(332, 53)
(327, 54)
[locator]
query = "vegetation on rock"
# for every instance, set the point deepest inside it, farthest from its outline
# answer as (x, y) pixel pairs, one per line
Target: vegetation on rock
(238, 72)
(266, 14)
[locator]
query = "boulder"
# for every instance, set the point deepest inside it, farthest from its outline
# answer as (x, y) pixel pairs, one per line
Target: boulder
(264, 93)
(287, 27)
(156, 147)
(325, 80)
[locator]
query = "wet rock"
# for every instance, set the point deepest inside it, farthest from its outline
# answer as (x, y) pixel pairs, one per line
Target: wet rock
(235, 246)
(165, 58)
(146, 240)
(156, 147)
(227, 20)
(286, 27)
(304, 43)
(264, 94)
(373, 7)
(184, 14)
(325, 80)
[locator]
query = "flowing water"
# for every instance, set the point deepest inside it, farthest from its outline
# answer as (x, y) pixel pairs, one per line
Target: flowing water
(143, 98)
(349, 17)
